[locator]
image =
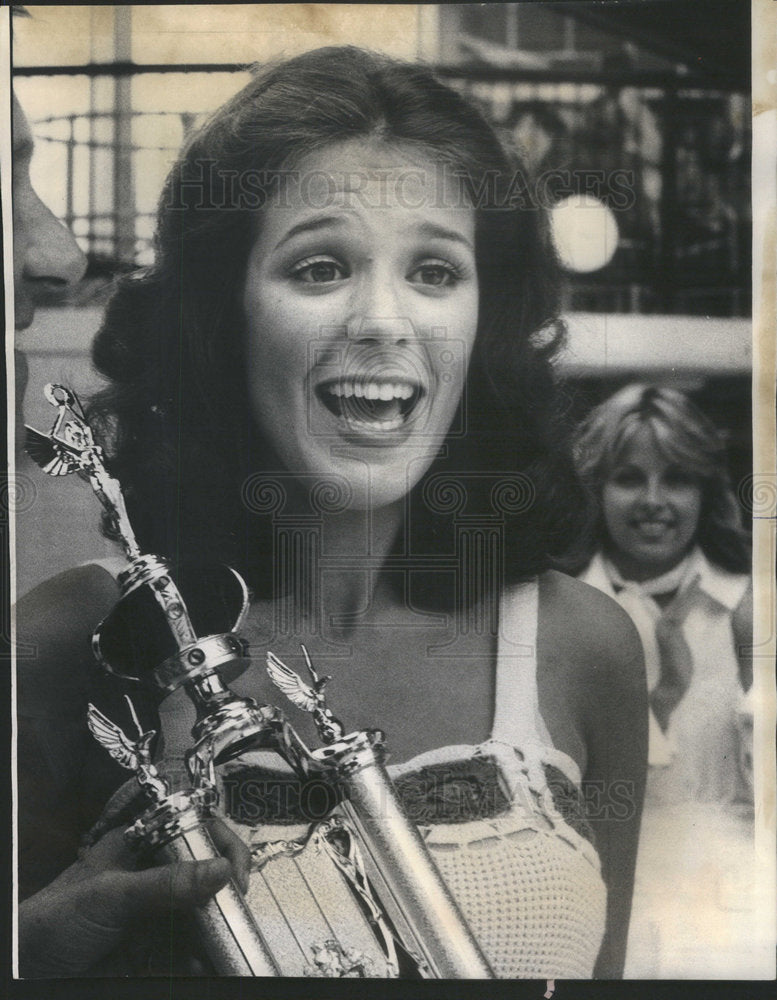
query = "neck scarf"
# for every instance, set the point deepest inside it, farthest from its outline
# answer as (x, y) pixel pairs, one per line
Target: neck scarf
(638, 600)
(667, 583)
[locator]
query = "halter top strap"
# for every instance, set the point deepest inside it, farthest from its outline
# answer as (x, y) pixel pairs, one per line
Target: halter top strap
(516, 712)
(517, 718)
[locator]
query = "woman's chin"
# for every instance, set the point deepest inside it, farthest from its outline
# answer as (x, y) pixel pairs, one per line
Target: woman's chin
(372, 476)
(647, 562)
(377, 485)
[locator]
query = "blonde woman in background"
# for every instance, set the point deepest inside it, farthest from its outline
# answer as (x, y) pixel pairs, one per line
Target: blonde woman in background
(673, 553)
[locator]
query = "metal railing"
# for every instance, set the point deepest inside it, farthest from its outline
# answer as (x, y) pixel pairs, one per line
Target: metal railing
(121, 230)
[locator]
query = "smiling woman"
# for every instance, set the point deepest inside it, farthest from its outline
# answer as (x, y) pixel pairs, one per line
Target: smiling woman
(336, 376)
(651, 507)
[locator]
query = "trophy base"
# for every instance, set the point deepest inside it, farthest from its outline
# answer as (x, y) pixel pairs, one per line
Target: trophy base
(308, 912)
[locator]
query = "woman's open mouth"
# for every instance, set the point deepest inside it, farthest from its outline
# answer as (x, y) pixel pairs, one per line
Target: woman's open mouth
(371, 404)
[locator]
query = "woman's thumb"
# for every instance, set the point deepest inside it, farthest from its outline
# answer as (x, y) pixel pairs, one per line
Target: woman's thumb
(181, 884)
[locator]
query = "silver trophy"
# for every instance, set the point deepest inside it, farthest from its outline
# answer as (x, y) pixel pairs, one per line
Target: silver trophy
(370, 857)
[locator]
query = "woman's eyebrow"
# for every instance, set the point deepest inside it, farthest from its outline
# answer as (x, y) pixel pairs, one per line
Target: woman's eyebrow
(433, 230)
(426, 229)
(311, 225)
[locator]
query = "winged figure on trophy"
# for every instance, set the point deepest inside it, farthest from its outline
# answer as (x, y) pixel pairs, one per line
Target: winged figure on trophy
(70, 447)
(310, 698)
(134, 756)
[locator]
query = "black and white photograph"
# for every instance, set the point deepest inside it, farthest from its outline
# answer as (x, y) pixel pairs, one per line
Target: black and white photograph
(391, 504)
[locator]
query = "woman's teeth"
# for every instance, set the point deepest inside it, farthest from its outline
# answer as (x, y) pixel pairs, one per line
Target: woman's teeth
(372, 390)
(381, 405)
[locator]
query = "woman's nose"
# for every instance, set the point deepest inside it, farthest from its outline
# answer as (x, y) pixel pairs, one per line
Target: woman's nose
(379, 314)
(653, 493)
(381, 329)
(52, 259)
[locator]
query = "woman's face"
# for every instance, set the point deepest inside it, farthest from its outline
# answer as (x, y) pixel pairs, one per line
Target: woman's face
(361, 306)
(651, 509)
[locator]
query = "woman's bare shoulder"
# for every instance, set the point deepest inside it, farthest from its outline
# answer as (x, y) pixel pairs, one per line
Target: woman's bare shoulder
(590, 670)
(80, 590)
(591, 662)
(584, 625)
(56, 619)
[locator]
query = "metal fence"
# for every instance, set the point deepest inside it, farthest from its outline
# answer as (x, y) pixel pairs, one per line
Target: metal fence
(673, 163)
(102, 154)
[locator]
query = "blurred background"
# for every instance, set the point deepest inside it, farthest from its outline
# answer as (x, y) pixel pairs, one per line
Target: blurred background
(634, 117)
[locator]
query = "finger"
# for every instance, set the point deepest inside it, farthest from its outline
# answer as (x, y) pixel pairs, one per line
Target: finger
(182, 884)
(112, 850)
(233, 848)
(125, 802)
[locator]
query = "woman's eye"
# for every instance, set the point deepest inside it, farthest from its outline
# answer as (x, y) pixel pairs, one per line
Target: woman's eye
(626, 477)
(679, 478)
(318, 271)
(437, 273)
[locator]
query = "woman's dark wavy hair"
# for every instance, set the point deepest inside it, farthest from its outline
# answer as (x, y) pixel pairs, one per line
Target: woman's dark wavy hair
(175, 416)
(689, 440)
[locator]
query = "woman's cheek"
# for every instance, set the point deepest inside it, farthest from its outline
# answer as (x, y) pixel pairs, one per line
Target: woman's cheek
(614, 499)
(461, 318)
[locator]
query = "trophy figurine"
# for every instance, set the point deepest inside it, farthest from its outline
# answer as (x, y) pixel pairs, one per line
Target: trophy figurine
(173, 827)
(188, 642)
